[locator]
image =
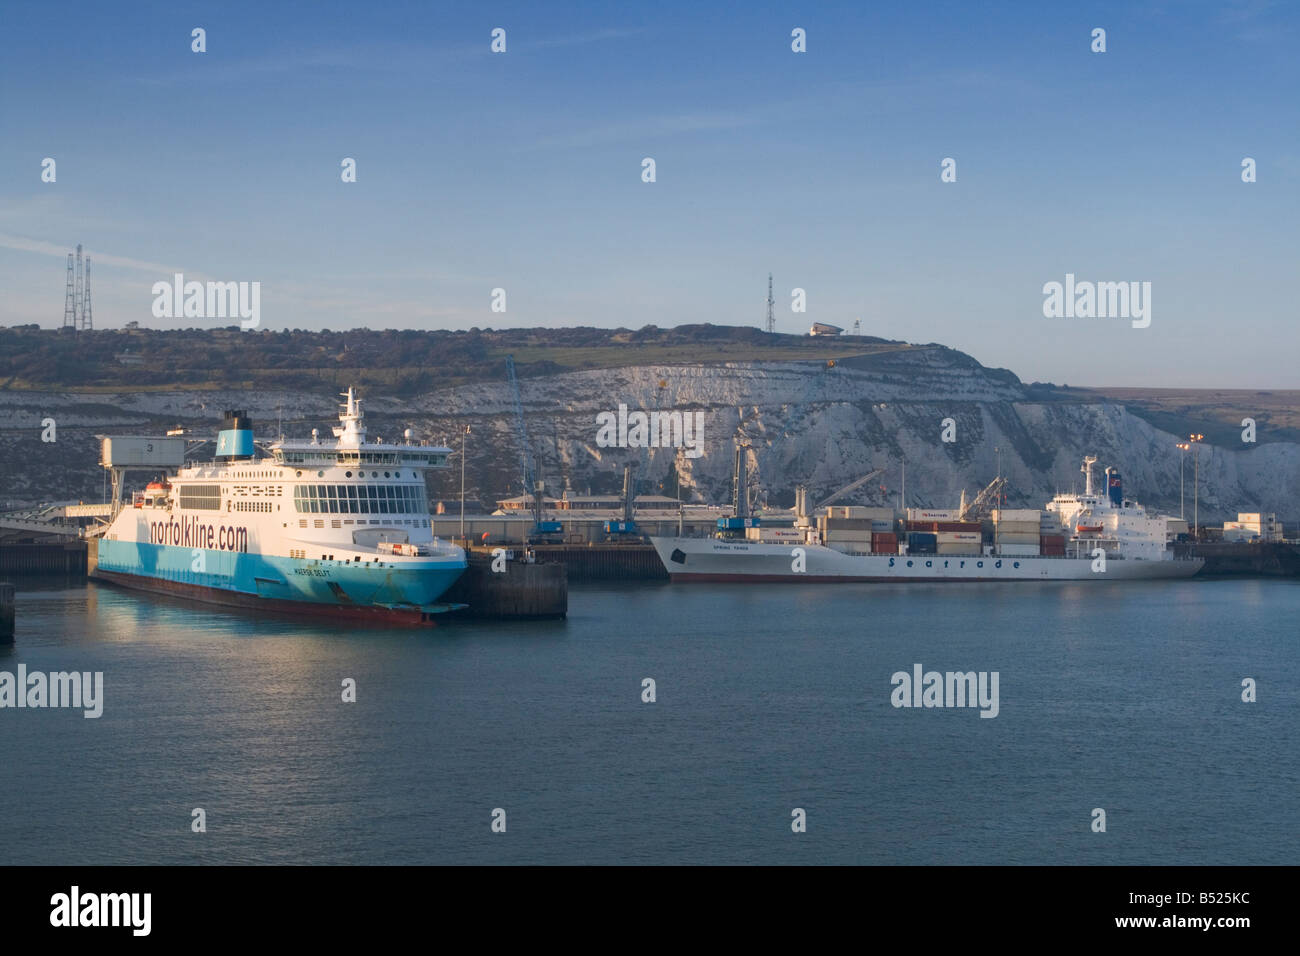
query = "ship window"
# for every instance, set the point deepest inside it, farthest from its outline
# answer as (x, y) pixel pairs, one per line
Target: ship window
(200, 497)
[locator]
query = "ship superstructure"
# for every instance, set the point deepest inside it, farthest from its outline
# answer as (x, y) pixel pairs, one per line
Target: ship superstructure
(1109, 520)
(339, 526)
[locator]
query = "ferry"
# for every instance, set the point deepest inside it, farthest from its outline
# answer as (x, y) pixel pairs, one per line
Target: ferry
(339, 528)
(1102, 537)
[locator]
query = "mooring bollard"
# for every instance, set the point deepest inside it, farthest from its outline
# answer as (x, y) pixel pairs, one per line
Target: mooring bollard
(6, 613)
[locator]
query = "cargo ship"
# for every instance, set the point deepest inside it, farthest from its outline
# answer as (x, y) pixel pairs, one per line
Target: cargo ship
(1093, 536)
(339, 528)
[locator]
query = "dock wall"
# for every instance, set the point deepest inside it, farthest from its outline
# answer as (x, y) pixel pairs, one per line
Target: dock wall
(6, 613)
(58, 558)
(521, 591)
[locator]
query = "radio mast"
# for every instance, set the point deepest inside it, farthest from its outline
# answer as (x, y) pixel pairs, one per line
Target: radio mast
(771, 318)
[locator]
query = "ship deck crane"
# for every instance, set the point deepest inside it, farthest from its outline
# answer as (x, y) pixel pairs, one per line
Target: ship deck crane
(985, 501)
(851, 486)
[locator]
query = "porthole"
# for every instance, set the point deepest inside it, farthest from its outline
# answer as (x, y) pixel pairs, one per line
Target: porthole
(347, 474)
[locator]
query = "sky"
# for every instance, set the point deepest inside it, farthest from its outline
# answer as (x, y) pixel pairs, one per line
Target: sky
(523, 170)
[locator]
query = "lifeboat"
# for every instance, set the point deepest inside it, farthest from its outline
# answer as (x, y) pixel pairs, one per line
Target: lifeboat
(155, 493)
(1088, 528)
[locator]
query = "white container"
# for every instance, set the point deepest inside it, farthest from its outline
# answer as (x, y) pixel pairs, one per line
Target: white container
(1021, 514)
(860, 511)
(931, 514)
(1019, 550)
(1005, 538)
(851, 537)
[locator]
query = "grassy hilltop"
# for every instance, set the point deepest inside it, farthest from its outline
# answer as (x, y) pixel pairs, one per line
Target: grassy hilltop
(391, 362)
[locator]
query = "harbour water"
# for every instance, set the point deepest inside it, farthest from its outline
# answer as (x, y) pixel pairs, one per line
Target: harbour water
(1125, 697)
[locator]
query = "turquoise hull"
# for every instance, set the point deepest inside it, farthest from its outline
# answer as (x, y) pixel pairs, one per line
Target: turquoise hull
(413, 583)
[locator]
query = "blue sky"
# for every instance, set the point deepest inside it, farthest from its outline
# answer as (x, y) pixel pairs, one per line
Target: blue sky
(522, 170)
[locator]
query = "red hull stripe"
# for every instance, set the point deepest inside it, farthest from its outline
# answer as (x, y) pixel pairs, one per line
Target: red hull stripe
(837, 578)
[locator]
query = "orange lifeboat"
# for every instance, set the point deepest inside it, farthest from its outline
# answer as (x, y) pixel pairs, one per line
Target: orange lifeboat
(1088, 528)
(155, 493)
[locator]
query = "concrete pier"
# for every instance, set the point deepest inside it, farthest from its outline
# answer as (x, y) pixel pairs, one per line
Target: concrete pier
(521, 591)
(6, 613)
(1264, 559)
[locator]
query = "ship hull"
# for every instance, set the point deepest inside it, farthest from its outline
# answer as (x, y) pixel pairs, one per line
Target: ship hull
(713, 559)
(399, 592)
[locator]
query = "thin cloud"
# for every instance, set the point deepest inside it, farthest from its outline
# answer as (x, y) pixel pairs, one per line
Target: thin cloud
(375, 59)
(596, 36)
(43, 248)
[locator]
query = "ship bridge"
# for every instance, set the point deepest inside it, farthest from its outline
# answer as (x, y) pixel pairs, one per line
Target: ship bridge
(351, 448)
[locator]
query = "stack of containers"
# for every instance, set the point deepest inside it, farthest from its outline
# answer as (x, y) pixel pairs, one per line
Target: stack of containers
(1051, 540)
(853, 527)
(950, 534)
(1018, 532)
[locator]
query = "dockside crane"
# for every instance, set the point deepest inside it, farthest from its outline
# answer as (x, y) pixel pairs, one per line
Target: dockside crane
(532, 485)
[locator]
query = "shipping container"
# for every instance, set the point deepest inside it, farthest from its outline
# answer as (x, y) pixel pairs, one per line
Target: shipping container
(951, 536)
(957, 548)
(1021, 514)
(884, 543)
(934, 526)
(1017, 537)
(858, 512)
(1019, 550)
(735, 524)
(921, 543)
(859, 537)
(848, 524)
(932, 514)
